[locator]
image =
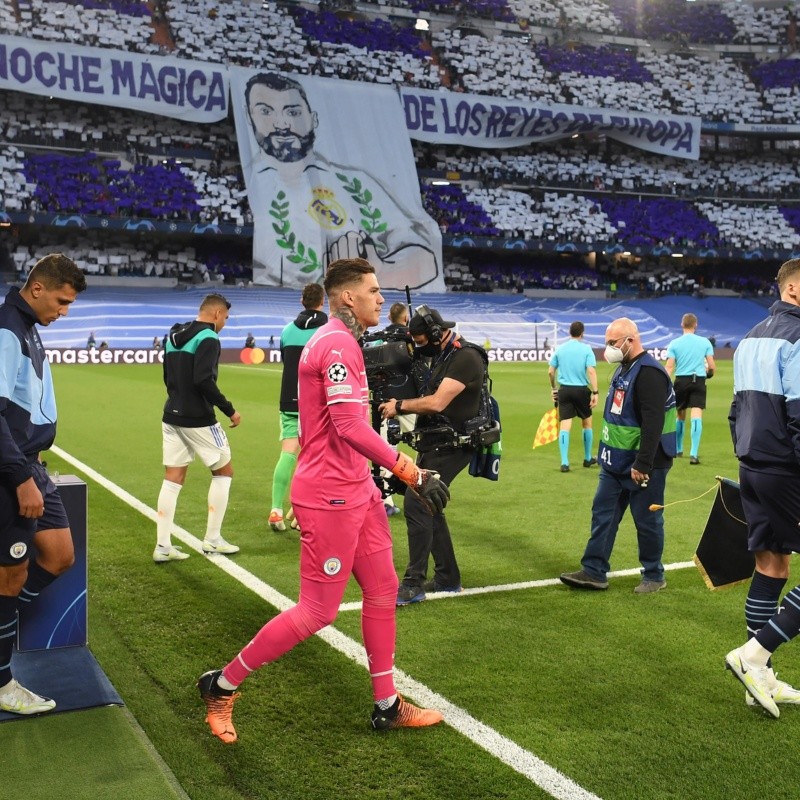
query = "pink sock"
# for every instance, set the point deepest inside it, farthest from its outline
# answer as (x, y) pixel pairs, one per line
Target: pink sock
(376, 576)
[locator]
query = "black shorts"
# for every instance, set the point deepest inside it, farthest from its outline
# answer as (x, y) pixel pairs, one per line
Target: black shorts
(16, 532)
(771, 505)
(690, 392)
(573, 401)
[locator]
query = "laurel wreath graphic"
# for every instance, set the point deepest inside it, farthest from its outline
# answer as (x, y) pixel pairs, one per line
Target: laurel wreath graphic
(372, 224)
(298, 253)
(371, 217)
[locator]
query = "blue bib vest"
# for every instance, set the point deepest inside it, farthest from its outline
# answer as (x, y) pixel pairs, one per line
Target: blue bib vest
(621, 434)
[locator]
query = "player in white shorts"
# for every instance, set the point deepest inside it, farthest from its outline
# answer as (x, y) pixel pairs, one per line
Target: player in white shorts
(190, 428)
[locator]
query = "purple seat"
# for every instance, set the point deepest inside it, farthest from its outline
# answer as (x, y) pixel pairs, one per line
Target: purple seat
(599, 61)
(660, 221)
(784, 73)
(674, 20)
(369, 34)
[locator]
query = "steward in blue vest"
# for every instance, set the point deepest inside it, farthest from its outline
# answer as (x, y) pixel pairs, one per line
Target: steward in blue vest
(637, 445)
(621, 439)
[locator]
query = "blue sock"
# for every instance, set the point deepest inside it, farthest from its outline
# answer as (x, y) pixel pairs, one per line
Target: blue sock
(8, 635)
(762, 601)
(679, 434)
(588, 438)
(38, 579)
(783, 626)
(563, 446)
(697, 430)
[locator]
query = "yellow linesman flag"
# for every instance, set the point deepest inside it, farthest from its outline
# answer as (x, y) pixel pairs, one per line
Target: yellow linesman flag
(548, 429)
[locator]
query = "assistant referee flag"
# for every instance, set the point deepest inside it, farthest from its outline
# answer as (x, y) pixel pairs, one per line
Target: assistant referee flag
(548, 429)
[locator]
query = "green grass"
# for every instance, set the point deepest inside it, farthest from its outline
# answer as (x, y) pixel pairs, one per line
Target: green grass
(624, 694)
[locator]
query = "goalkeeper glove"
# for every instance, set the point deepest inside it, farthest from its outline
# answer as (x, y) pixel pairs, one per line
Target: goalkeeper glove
(424, 483)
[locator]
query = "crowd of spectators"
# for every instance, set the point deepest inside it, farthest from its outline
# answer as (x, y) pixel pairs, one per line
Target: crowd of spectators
(506, 62)
(619, 169)
(99, 252)
(133, 165)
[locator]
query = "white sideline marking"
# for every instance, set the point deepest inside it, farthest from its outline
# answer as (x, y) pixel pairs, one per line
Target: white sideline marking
(510, 587)
(254, 369)
(509, 752)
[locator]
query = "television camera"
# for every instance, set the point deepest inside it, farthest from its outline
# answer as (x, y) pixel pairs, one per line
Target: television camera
(394, 371)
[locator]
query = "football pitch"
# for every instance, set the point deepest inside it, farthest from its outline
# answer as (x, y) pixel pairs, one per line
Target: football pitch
(546, 691)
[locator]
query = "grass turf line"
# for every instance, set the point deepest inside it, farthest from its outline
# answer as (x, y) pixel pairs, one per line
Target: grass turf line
(629, 698)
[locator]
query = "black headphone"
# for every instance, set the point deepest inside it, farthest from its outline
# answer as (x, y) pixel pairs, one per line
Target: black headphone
(434, 329)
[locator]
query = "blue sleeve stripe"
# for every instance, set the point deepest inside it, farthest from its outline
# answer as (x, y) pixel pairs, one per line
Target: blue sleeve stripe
(760, 366)
(10, 356)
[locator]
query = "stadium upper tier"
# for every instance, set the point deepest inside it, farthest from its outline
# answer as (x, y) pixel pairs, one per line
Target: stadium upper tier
(653, 72)
(132, 318)
(63, 161)
(68, 187)
(720, 23)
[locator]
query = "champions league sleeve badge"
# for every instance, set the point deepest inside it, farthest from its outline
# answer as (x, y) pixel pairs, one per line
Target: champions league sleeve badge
(337, 372)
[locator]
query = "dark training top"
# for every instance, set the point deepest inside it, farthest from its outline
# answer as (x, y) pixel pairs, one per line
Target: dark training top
(293, 339)
(765, 413)
(191, 363)
(27, 400)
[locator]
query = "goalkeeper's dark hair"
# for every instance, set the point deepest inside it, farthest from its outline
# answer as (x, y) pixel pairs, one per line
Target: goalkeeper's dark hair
(56, 270)
(576, 329)
(345, 272)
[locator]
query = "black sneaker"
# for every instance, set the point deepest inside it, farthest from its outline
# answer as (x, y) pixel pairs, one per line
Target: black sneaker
(590, 463)
(582, 580)
(565, 467)
(433, 586)
(409, 594)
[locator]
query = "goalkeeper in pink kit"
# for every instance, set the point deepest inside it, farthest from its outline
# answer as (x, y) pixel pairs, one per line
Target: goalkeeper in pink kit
(340, 510)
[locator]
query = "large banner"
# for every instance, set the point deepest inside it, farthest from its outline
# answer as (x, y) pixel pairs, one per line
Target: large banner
(173, 87)
(478, 121)
(330, 174)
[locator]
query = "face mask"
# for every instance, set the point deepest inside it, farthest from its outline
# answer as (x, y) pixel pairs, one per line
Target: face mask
(428, 350)
(613, 355)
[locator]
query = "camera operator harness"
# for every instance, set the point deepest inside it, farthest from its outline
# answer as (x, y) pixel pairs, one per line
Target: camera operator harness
(394, 371)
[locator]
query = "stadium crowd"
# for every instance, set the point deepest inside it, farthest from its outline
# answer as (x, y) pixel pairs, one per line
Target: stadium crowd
(63, 158)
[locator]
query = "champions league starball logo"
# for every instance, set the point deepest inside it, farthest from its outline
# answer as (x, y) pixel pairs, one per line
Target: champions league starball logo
(337, 373)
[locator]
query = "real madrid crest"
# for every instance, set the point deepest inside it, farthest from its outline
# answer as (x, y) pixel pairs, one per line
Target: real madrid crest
(325, 209)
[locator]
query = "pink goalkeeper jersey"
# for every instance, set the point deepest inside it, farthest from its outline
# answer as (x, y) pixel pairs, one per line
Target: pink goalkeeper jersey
(331, 472)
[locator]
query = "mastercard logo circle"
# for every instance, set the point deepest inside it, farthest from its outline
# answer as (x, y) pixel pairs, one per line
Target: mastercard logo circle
(257, 355)
(252, 355)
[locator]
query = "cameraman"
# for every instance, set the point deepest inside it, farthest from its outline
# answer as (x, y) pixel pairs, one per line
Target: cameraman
(450, 395)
